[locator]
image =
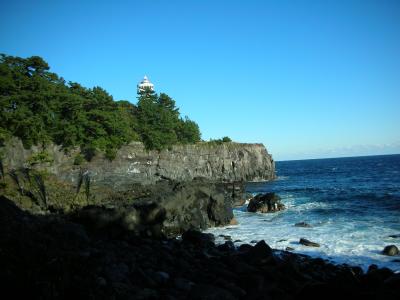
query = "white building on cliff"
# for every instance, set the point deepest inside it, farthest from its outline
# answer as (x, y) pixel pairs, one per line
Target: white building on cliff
(144, 85)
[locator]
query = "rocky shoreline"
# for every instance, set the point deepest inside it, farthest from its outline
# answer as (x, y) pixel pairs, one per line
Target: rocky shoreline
(125, 229)
(57, 256)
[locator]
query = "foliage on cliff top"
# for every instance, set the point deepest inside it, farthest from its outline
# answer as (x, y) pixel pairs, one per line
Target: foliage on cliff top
(220, 141)
(160, 125)
(39, 107)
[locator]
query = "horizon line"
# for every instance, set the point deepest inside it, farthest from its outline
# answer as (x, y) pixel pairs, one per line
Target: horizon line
(338, 157)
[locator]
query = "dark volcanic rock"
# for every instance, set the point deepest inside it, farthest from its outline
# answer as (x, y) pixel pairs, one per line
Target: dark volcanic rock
(198, 204)
(136, 173)
(394, 236)
(59, 257)
(198, 238)
(303, 224)
(168, 208)
(242, 198)
(210, 292)
(391, 250)
(265, 203)
(227, 246)
(183, 284)
(236, 192)
(226, 237)
(308, 243)
(393, 281)
(261, 252)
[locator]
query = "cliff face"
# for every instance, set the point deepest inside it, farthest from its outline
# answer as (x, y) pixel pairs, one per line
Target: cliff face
(190, 186)
(228, 162)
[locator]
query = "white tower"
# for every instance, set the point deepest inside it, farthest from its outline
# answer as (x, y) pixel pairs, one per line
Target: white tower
(144, 85)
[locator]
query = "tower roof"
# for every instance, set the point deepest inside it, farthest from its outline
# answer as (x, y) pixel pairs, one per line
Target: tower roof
(145, 84)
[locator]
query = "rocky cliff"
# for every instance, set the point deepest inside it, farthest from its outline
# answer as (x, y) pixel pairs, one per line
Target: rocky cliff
(227, 162)
(188, 186)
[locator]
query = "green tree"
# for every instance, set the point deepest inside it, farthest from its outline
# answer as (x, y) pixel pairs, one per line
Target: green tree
(39, 107)
(188, 131)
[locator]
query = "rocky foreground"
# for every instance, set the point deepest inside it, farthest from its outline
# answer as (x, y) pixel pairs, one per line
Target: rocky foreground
(62, 257)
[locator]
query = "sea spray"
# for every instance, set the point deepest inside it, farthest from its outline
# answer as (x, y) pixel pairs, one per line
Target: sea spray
(351, 204)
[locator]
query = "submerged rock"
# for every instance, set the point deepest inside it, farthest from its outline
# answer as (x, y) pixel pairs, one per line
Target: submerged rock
(265, 203)
(308, 243)
(391, 250)
(394, 236)
(225, 237)
(303, 224)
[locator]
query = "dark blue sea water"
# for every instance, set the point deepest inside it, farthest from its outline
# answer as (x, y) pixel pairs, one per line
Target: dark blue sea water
(352, 204)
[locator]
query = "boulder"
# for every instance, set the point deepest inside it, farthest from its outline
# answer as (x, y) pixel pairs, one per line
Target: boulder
(308, 243)
(265, 203)
(391, 250)
(372, 268)
(228, 246)
(261, 252)
(375, 276)
(198, 238)
(225, 237)
(198, 204)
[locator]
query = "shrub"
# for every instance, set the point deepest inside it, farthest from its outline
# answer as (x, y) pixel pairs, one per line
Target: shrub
(225, 139)
(39, 158)
(111, 153)
(79, 159)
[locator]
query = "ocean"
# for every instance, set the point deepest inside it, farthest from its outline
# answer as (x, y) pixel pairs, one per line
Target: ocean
(352, 204)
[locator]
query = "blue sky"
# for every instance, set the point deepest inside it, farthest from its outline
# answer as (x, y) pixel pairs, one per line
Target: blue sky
(309, 79)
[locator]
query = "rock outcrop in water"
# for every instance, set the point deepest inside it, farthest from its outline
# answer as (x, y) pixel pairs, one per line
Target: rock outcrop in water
(391, 250)
(308, 243)
(265, 203)
(303, 224)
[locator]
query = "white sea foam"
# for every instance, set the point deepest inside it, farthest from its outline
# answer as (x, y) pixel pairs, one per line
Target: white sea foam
(354, 241)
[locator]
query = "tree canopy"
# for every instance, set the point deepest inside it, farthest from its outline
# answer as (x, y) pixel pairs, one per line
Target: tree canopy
(39, 107)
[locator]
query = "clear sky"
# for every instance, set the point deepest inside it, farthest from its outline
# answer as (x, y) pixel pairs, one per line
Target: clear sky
(308, 79)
